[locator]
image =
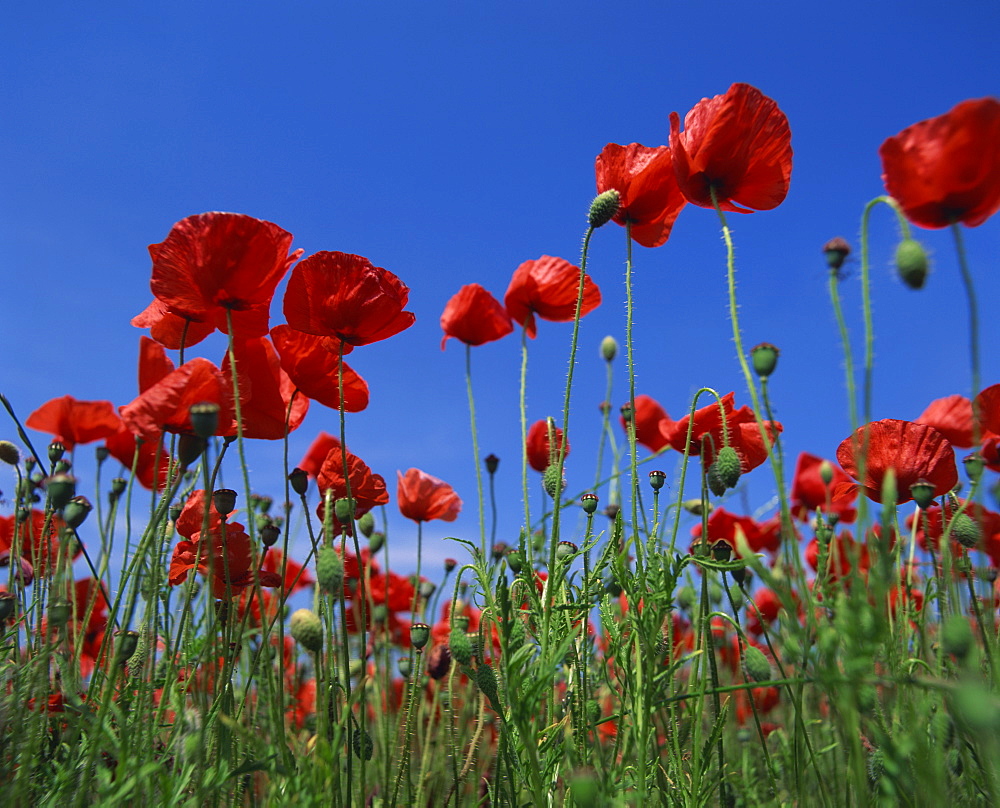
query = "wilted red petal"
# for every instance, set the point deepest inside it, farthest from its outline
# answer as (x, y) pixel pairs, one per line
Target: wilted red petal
(422, 497)
(314, 370)
(475, 317)
(71, 422)
(548, 287)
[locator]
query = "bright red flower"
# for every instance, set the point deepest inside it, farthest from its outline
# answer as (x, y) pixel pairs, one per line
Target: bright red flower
(647, 188)
(165, 406)
(39, 547)
(913, 451)
(71, 422)
(548, 287)
(84, 594)
(947, 169)
(154, 364)
(153, 463)
(541, 451)
(707, 435)
(475, 317)
(725, 526)
(265, 390)
(422, 497)
(314, 369)
(214, 262)
(738, 144)
(169, 329)
(223, 549)
(395, 591)
(952, 417)
(650, 422)
(191, 520)
(367, 489)
(317, 453)
(843, 551)
(930, 529)
(296, 576)
(334, 294)
(810, 493)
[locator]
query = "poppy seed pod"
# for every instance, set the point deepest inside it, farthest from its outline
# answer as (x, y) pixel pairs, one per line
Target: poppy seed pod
(589, 503)
(566, 550)
(60, 611)
(492, 462)
(189, 449)
(657, 478)
(9, 453)
(603, 208)
(515, 561)
(76, 511)
(269, 534)
(449, 565)
(974, 465)
(61, 489)
(204, 418)
(8, 604)
(836, 251)
(420, 633)
(922, 493)
(344, 509)
(912, 263)
(764, 358)
(299, 480)
(101, 453)
(405, 667)
(224, 500)
(126, 643)
(62, 466)
(56, 451)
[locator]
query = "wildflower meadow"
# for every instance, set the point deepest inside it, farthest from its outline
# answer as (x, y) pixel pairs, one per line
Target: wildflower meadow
(688, 615)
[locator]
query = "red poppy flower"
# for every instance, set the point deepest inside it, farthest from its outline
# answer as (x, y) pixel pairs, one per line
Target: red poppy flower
(83, 595)
(423, 497)
(317, 453)
(154, 364)
(296, 576)
(392, 590)
(930, 528)
(952, 417)
(313, 369)
(38, 546)
(72, 422)
(647, 188)
(475, 317)
(367, 489)
(265, 391)
(541, 451)
(738, 144)
(947, 169)
(171, 330)
(810, 493)
(214, 262)
(913, 451)
(334, 294)
(548, 287)
(224, 552)
(725, 526)
(843, 551)
(191, 520)
(165, 406)
(650, 422)
(152, 464)
(707, 435)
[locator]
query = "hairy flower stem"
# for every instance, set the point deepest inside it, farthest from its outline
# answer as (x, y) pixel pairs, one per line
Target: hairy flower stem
(475, 448)
(845, 339)
(528, 549)
(633, 459)
(970, 293)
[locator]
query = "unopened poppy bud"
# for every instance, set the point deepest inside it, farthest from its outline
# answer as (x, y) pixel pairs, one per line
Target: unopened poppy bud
(62, 466)
(405, 667)
(56, 451)
(420, 633)
(966, 531)
(826, 472)
(486, 680)
(764, 358)
(366, 524)
(24, 573)
(189, 449)
(376, 541)
(626, 413)
(722, 551)
(329, 570)
(609, 348)
(224, 500)
(912, 263)
(460, 645)
(714, 594)
(696, 507)
(8, 604)
(101, 453)
(118, 486)
(922, 493)
(515, 561)
(603, 208)
(714, 480)
(449, 565)
(299, 480)
(657, 479)
(264, 503)
(126, 643)
(439, 661)
(740, 575)
(204, 418)
(612, 587)
(552, 481)
(29, 463)
(362, 744)
(307, 629)
(836, 251)
(9, 453)
(565, 550)
(756, 664)
(344, 508)
(686, 597)
(492, 462)
(60, 611)
(589, 503)
(427, 589)
(61, 489)
(269, 534)
(974, 466)
(728, 466)
(76, 511)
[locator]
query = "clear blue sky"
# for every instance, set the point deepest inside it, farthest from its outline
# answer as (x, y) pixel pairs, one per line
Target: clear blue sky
(449, 142)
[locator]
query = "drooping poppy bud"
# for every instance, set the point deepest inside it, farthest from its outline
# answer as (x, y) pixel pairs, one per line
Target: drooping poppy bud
(603, 208)
(307, 630)
(61, 489)
(609, 348)
(912, 263)
(9, 453)
(76, 511)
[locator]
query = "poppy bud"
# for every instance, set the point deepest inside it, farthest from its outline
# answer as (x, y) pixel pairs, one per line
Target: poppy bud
(657, 479)
(24, 573)
(486, 680)
(609, 348)
(126, 643)
(329, 570)
(118, 486)
(420, 633)
(922, 493)
(439, 661)
(307, 629)
(686, 597)
(492, 462)
(62, 466)
(189, 449)
(380, 613)
(376, 541)
(965, 531)
(764, 358)
(722, 551)
(427, 589)
(60, 611)
(9, 453)
(299, 481)
(8, 603)
(740, 576)
(499, 550)
(589, 503)
(101, 453)
(61, 489)
(204, 419)
(912, 263)
(56, 451)
(714, 594)
(344, 509)
(756, 664)
(460, 645)
(612, 587)
(269, 534)
(565, 549)
(366, 524)
(603, 208)
(626, 413)
(405, 667)
(552, 481)
(224, 500)
(715, 482)
(515, 561)
(836, 251)
(974, 466)
(362, 744)
(695, 507)
(449, 565)
(76, 511)
(728, 466)
(826, 472)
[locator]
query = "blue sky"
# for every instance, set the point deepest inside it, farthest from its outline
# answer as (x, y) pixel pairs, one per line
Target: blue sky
(449, 142)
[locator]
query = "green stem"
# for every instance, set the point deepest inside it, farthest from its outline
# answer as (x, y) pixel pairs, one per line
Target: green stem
(970, 293)
(475, 449)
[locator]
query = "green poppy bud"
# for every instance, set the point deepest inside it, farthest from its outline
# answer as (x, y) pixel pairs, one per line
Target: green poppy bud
(603, 208)
(714, 479)
(420, 633)
(344, 509)
(912, 263)
(552, 481)
(307, 630)
(61, 489)
(329, 570)
(609, 348)
(76, 511)
(366, 524)
(966, 531)
(728, 466)
(756, 664)
(9, 453)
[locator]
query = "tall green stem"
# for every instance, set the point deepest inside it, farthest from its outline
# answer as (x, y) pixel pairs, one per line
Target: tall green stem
(475, 449)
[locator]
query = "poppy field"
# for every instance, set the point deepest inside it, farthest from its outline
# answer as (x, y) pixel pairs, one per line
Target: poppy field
(182, 628)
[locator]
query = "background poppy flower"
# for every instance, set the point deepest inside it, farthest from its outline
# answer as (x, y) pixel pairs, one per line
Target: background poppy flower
(335, 294)
(540, 451)
(71, 422)
(154, 364)
(367, 489)
(650, 422)
(312, 461)
(810, 493)
(952, 417)
(913, 451)
(649, 197)
(475, 317)
(947, 169)
(548, 287)
(153, 463)
(724, 526)
(224, 553)
(171, 330)
(314, 369)
(422, 497)
(214, 262)
(738, 144)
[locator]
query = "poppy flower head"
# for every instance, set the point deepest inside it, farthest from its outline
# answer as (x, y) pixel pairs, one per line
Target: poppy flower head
(810, 492)
(171, 330)
(543, 444)
(548, 287)
(214, 262)
(366, 489)
(71, 422)
(947, 169)
(268, 404)
(474, 317)
(335, 294)
(913, 451)
(317, 452)
(423, 497)
(314, 369)
(650, 421)
(738, 145)
(952, 417)
(649, 197)
(224, 553)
